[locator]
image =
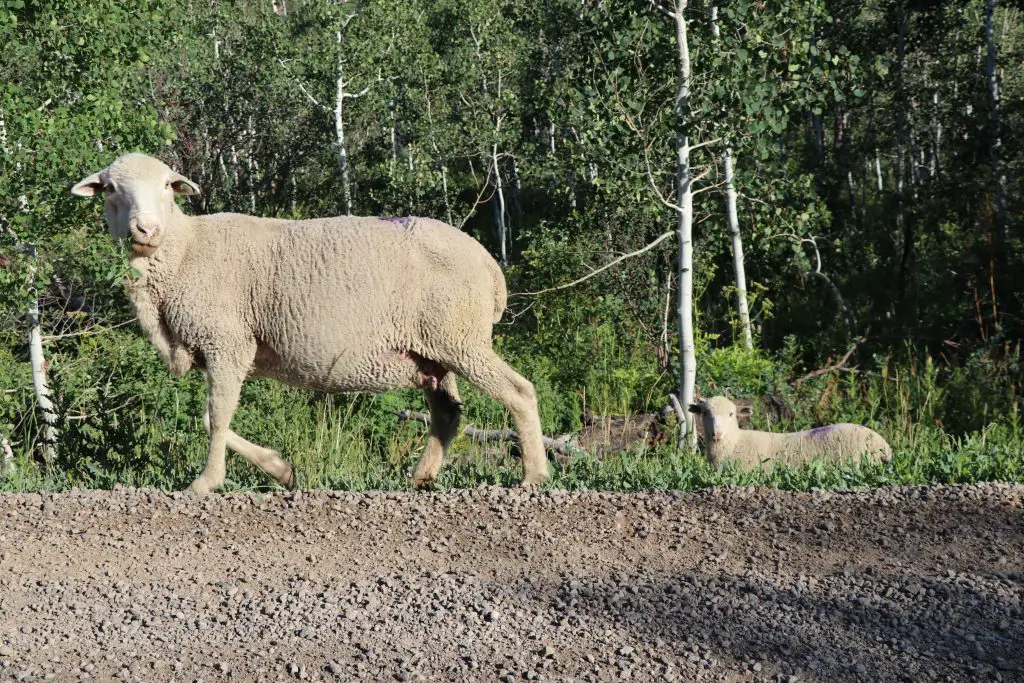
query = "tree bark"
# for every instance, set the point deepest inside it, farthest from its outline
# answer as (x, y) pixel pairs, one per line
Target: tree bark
(339, 132)
(995, 123)
(39, 383)
(684, 231)
(6, 456)
(499, 205)
(737, 251)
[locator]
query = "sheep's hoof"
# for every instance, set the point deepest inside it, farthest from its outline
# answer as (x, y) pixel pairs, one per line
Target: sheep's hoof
(199, 488)
(424, 484)
(288, 481)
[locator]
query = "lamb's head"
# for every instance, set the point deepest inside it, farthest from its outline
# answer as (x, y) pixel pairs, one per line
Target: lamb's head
(139, 198)
(718, 416)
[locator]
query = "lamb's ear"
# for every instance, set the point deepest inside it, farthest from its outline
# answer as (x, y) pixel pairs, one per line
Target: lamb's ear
(695, 408)
(183, 185)
(89, 186)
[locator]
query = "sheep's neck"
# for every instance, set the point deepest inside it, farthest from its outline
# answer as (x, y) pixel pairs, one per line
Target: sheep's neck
(148, 292)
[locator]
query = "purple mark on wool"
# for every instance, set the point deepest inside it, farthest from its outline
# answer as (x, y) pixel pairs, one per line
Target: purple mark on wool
(822, 431)
(398, 220)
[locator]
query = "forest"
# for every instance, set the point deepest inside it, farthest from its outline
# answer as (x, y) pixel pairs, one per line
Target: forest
(815, 205)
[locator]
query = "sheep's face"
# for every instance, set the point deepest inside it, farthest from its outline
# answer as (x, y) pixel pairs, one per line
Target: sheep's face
(718, 416)
(138, 193)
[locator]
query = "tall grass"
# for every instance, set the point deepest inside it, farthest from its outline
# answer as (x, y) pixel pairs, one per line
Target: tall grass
(126, 421)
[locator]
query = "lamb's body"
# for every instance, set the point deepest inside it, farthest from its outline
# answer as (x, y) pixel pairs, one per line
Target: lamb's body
(751, 449)
(334, 304)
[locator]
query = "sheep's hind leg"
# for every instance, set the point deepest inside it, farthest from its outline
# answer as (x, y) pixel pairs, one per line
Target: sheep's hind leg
(493, 375)
(268, 460)
(224, 385)
(445, 412)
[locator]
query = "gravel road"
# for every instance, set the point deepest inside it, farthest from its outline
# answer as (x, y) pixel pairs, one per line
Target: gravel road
(736, 584)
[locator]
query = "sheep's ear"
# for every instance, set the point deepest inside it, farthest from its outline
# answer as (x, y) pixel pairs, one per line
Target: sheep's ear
(88, 187)
(183, 185)
(695, 408)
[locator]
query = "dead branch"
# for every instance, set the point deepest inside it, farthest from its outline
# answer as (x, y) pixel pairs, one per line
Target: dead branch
(559, 444)
(839, 365)
(603, 268)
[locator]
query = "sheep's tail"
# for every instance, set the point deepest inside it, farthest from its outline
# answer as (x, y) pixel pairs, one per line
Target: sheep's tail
(500, 290)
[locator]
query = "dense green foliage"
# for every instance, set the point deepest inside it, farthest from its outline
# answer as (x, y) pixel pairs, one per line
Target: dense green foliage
(868, 150)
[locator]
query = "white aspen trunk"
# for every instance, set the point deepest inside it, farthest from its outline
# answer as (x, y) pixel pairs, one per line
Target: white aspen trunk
(499, 207)
(878, 172)
(6, 456)
(251, 166)
(39, 383)
(737, 251)
(339, 132)
(394, 142)
(551, 137)
(936, 161)
(684, 231)
(851, 189)
(444, 188)
(293, 193)
(3, 134)
(995, 124)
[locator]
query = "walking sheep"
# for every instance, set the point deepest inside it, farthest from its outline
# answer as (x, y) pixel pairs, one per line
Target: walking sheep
(750, 449)
(334, 304)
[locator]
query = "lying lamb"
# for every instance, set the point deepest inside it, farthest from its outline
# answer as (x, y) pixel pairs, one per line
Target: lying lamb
(750, 449)
(334, 304)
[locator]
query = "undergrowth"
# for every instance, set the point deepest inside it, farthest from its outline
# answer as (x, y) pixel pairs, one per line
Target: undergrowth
(126, 421)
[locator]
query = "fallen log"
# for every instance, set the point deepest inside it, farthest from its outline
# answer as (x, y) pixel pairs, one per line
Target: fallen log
(560, 444)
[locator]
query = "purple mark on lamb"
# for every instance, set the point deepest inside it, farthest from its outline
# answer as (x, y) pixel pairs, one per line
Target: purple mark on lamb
(398, 220)
(819, 432)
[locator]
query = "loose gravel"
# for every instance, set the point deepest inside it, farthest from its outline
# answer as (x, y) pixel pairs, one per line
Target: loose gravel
(492, 584)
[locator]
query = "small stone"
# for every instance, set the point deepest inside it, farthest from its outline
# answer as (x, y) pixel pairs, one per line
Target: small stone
(335, 668)
(6, 651)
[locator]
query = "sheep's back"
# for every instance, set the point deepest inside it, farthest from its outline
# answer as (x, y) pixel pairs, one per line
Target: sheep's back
(325, 294)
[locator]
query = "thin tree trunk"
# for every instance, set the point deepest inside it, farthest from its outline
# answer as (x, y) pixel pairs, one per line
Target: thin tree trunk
(499, 207)
(684, 230)
(737, 250)
(339, 132)
(6, 456)
(39, 383)
(444, 187)
(878, 172)
(3, 134)
(995, 123)
(251, 166)
(936, 162)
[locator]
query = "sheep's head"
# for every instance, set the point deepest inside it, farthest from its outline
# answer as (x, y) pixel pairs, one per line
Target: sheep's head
(139, 198)
(719, 417)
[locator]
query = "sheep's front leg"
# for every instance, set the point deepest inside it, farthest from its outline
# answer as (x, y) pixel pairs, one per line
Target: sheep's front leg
(224, 385)
(266, 459)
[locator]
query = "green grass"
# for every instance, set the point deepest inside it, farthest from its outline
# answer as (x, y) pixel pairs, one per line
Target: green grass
(340, 447)
(129, 422)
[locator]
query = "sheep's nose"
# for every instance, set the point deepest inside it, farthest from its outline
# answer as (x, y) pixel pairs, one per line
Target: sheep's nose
(144, 228)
